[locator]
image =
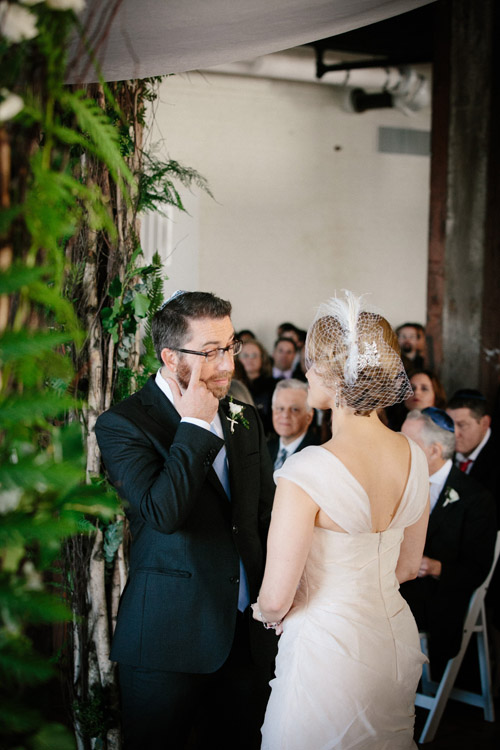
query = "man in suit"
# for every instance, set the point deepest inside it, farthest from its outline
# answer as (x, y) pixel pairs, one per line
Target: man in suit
(284, 353)
(460, 540)
(477, 449)
(292, 417)
(478, 456)
(411, 338)
(194, 472)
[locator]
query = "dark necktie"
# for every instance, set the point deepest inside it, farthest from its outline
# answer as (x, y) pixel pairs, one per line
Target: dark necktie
(282, 456)
(464, 465)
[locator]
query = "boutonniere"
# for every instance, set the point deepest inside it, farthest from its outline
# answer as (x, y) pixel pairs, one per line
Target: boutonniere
(236, 415)
(451, 496)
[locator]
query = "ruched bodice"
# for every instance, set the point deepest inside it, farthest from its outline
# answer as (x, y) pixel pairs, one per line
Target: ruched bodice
(349, 658)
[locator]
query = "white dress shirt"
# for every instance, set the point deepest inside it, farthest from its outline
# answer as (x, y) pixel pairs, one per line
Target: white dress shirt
(459, 457)
(438, 480)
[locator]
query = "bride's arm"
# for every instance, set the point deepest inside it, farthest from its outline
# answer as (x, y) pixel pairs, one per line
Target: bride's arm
(412, 548)
(288, 543)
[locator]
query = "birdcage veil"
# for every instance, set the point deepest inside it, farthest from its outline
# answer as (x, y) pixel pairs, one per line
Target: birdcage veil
(355, 351)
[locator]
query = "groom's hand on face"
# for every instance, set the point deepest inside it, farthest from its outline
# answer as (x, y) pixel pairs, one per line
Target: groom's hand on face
(196, 401)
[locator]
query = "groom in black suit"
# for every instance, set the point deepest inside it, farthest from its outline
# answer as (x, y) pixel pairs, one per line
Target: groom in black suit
(195, 474)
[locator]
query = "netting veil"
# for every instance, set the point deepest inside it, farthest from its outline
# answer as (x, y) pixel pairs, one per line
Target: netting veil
(356, 352)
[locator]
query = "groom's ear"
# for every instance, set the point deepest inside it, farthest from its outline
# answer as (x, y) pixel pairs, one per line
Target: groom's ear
(170, 359)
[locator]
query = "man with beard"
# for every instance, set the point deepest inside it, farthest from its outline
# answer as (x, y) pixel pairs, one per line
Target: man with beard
(194, 471)
(411, 338)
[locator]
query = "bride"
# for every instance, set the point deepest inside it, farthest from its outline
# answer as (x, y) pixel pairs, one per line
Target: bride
(348, 525)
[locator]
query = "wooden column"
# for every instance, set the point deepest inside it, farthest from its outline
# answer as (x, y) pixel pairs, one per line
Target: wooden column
(463, 281)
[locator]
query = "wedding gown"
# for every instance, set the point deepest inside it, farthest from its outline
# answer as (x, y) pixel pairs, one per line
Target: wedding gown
(349, 658)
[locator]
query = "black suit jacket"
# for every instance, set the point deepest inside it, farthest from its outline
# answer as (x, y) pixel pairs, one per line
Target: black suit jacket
(274, 443)
(462, 536)
(486, 470)
(178, 609)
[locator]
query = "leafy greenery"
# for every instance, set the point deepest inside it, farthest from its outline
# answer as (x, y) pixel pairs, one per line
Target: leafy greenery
(58, 229)
(157, 187)
(44, 495)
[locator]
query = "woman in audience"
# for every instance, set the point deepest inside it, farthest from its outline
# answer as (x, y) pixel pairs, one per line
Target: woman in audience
(427, 391)
(260, 382)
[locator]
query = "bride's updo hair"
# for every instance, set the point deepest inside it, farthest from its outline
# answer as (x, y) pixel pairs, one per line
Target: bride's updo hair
(356, 352)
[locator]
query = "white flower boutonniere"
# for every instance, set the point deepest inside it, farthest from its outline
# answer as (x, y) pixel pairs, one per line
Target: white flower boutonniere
(451, 496)
(236, 415)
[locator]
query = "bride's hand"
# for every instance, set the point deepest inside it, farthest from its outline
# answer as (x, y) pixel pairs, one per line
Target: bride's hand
(257, 615)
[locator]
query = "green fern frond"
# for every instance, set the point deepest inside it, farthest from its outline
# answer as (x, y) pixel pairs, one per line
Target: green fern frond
(102, 134)
(157, 187)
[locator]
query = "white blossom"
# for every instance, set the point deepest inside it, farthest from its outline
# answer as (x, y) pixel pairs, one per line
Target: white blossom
(16, 23)
(76, 5)
(11, 105)
(451, 496)
(235, 408)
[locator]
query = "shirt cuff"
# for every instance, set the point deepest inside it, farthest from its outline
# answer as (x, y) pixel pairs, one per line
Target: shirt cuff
(196, 421)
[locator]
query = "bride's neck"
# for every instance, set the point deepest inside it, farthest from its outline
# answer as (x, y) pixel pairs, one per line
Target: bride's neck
(346, 424)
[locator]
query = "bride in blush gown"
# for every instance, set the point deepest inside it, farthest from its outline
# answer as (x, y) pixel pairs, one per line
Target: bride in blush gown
(348, 526)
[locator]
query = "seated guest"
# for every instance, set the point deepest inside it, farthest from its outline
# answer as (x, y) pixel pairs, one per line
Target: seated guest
(239, 387)
(284, 352)
(460, 540)
(411, 339)
(477, 449)
(260, 382)
(478, 455)
(427, 391)
(292, 417)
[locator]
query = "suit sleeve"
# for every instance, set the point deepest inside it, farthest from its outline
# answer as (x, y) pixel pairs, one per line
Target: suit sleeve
(470, 567)
(161, 484)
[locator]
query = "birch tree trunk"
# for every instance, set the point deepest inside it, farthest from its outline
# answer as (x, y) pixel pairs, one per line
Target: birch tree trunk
(103, 259)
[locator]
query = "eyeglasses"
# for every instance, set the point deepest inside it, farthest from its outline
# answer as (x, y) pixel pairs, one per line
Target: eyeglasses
(440, 417)
(233, 349)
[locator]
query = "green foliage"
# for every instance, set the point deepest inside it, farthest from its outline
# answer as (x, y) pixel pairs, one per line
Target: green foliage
(157, 183)
(44, 494)
(135, 298)
(95, 714)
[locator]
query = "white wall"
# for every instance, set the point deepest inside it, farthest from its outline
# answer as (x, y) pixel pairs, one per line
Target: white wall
(304, 202)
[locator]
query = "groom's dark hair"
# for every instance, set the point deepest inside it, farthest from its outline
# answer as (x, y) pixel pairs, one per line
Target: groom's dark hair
(170, 324)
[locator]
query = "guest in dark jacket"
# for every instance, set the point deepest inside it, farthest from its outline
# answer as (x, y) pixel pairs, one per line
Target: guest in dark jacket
(460, 539)
(292, 420)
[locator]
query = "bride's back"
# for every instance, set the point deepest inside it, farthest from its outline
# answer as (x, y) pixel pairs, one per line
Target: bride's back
(378, 459)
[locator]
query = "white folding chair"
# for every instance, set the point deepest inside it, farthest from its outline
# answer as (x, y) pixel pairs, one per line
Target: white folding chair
(435, 695)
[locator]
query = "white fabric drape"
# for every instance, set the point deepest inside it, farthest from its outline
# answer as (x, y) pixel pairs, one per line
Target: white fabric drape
(156, 37)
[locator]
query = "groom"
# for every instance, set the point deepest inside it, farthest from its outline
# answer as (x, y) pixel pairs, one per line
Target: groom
(196, 478)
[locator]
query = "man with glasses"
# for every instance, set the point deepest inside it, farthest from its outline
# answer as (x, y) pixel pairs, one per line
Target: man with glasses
(292, 417)
(460, 539)
(194, 471)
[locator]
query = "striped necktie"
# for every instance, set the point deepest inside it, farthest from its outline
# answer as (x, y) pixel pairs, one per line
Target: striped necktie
(282, 456)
